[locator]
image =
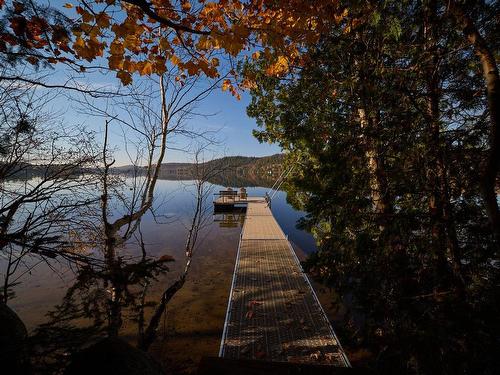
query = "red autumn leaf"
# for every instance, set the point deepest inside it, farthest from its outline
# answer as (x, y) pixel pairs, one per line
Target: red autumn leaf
(251, 304)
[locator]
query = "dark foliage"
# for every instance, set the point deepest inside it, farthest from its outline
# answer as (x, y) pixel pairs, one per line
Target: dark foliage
(388, 132)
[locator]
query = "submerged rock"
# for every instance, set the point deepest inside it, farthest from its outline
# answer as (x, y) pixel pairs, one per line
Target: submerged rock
(112, 356)
(13, 342)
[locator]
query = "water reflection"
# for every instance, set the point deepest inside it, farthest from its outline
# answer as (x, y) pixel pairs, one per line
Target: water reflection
(378, 296)
(230, 219)
(195, 317)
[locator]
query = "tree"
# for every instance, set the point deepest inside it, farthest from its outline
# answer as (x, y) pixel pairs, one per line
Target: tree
(43, 188)
(384, 97)
(485, 52)
(399, 281)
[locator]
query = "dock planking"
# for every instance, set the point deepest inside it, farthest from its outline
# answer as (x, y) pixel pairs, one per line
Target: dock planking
(273, 313)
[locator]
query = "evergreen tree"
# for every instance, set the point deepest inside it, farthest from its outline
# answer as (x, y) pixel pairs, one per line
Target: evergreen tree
(388, 130)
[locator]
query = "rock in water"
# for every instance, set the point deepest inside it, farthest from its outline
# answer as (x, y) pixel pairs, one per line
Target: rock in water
(112, 356)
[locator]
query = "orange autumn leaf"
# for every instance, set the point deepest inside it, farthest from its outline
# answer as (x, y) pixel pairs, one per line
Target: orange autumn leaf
(232, 27)
(279, 67)
(103, 20)
(255, 55)
(186, 6)
(146, 69)
(125, 77)
(226, 84)
(175, 60)
(115, 62)
(116, 48)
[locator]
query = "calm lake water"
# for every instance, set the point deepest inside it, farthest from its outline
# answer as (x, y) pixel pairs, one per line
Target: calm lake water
(194, 321)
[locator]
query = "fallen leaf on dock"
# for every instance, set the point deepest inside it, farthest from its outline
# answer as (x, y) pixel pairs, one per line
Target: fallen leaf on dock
(315, 356)
(331, 357)
(251, 304)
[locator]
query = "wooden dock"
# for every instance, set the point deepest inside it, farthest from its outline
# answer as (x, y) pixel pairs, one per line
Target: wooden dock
(273, 312)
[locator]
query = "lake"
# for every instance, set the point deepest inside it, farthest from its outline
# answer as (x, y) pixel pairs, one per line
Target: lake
(193, 324)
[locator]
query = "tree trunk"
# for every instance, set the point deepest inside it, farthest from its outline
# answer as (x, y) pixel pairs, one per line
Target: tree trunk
(378, 181)
(492, 80)
(443, 232)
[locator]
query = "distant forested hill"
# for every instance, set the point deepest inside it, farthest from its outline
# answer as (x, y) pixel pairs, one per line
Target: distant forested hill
(232, 171)
(228, 171)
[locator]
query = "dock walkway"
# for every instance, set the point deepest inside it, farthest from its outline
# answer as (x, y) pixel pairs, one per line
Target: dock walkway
(273, 313)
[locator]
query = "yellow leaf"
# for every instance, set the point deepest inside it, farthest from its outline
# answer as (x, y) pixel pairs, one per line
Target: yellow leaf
(226, 84)
(255, 55)
(175, 60)
(68, 5)
(279, 67)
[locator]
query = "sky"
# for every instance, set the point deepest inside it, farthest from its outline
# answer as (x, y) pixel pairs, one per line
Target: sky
(230, 119)
(227, 116)
(234, 124)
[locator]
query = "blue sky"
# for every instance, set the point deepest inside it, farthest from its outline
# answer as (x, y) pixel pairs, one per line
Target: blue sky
(228, 117)
(235, 127)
